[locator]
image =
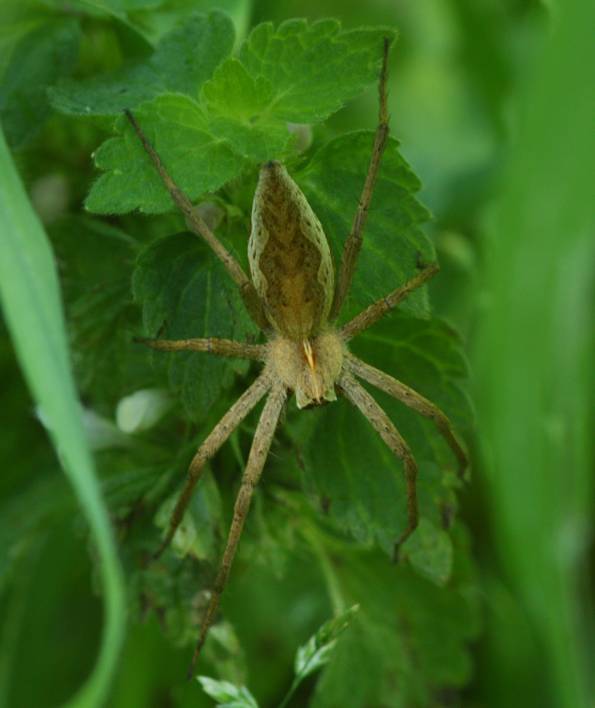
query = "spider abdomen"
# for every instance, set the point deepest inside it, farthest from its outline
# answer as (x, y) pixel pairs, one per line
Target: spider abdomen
(290, 259)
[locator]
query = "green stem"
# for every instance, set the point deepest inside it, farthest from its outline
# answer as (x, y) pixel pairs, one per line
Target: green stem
(330, 576)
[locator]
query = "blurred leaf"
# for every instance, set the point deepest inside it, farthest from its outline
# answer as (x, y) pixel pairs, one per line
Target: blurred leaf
(142, 409)
(534, 356)
(409, 641)
(177, 128)
(353, 472)
(185, 292)
(152, 19)
(394, 242)
(429, 550)
(226, 694)
(39, 59)
(183, 60)
(31, 304)
(201, 527)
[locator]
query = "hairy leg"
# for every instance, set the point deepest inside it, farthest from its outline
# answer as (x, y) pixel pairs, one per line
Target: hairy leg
(211, 345)
(259, 451)
(378, 309)
(361, 399)
(224, 428)
(353, 243)
(410, 398)
(199, 227)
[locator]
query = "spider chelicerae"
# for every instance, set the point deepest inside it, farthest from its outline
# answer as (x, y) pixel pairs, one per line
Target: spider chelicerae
(293, 298)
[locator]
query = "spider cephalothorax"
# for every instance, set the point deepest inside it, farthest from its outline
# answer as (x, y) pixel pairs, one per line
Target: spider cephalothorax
(294, 299)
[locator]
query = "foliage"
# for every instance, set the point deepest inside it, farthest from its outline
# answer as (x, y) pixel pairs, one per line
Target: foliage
(213, 117)
(309, 659)
(216, 99)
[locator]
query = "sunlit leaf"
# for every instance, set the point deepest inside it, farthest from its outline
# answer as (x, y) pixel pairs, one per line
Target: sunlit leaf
(226, 694)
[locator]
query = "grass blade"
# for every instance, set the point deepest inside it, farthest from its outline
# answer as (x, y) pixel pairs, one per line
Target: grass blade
(30, 296)
(535, 360)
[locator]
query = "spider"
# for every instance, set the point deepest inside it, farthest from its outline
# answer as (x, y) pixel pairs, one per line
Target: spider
(293, 299)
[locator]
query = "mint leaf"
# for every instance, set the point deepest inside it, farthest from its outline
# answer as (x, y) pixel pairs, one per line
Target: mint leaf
(349, 467)
(226, 694)
(184, 59)
(176, 126)
(39, 59)
(185, 292)
(394, 242)
(312, 69)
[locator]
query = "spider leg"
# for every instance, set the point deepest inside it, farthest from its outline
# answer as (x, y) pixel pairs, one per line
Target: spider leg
(361, 399)
(211, 345)
(354, 241)
(259, 451)
(199, 227)
(220, 433)
(378, 309)
(412, 399)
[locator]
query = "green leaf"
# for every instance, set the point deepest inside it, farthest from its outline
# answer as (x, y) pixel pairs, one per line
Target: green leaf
(301, 72)
(31, 304)
(237, 103)
(312, 69)
(317, 651)
(226, 694)
(201, 527)
(429, 550)
(354, 473)
(184, 59)
(177, 127)
(39, 59)
(95, 261)
(394, 242)
(410, 638)
(185, 292)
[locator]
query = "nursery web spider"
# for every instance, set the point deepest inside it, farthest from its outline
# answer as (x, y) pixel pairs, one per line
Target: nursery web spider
(293, 299)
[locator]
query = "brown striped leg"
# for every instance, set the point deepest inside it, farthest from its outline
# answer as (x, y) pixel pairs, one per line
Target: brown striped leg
(413, 400)
(211, 345)
(199, 227)
(354, 241)
(378, 309)
(361, 399)
(259, 451)
(220, 433)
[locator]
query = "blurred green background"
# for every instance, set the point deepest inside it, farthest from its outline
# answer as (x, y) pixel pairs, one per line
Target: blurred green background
(493, 102)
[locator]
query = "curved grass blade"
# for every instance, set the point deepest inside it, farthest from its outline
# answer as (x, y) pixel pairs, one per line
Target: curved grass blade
(30, 297)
